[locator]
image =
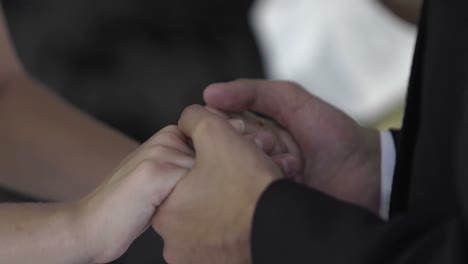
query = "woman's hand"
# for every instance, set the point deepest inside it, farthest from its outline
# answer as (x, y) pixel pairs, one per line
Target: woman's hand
(118, 211)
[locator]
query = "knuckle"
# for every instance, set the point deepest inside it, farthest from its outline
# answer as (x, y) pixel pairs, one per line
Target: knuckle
(171, 128)
(143, 172)
(156, 151)
(146, 168)
(164, 167)
(169, 138)
(162, 151)
(210, 126)
(154, 175)
(191, 108)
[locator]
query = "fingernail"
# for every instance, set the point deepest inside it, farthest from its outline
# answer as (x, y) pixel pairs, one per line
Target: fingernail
(259, 143)
(238, 124)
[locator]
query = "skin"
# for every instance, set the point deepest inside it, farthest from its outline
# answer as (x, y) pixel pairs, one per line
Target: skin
(67, 165)
(67, 152)
(51, 150)
(61, 154)
(100, 227)
(208, 216)
(340, 158)
(269, 137)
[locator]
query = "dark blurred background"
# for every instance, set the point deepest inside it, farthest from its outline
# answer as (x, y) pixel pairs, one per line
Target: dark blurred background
(134, 64)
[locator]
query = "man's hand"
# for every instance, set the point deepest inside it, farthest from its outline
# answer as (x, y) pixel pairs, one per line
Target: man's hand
(208, 217)
(269, 137)
(341, 158)
(118, 211)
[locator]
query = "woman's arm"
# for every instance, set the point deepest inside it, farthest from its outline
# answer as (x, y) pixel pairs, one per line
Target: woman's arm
(101, 226)
(49, 149)
(41, 233)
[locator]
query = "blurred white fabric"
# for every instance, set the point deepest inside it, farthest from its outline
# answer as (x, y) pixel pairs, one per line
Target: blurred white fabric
(355, 54)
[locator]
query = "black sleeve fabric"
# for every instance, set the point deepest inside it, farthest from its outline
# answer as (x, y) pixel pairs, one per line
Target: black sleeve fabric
(295, 224)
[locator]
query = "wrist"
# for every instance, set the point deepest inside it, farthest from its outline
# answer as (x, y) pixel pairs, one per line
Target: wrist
(74, 230)
(369, 169)
(371, 150)
(242, 234)
(87, 235)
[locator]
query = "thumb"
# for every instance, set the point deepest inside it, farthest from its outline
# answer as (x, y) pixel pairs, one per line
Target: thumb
(209, 132)
(219, 147)
(285, 102)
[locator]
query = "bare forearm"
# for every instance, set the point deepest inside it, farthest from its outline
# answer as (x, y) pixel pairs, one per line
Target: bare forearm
(51, 150)
(48, 148)
(41, 233)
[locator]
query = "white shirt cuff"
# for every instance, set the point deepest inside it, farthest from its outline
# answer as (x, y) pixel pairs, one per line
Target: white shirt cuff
(388, 159)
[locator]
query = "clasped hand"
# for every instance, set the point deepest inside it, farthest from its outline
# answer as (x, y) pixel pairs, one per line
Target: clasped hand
(198, 183)
(209, 169)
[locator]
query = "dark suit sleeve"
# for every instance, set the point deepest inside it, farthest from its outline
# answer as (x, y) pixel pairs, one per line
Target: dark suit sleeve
(396, 136)
(295, 224)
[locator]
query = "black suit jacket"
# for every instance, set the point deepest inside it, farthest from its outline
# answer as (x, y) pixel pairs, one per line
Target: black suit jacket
(294, 224)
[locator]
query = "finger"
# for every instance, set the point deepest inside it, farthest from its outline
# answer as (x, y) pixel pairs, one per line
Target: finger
(252, 122)
(290, 144)
(170, 155)
(273, 98)
(264, 133)
(254, 118)
(266, 141)
(239, 125)
(265, 146)
(172, 137)
(271, 141)
(168, 144)
(216, 112)
(289, 165)
(165, 181)
(285, 102)
(207, 129)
